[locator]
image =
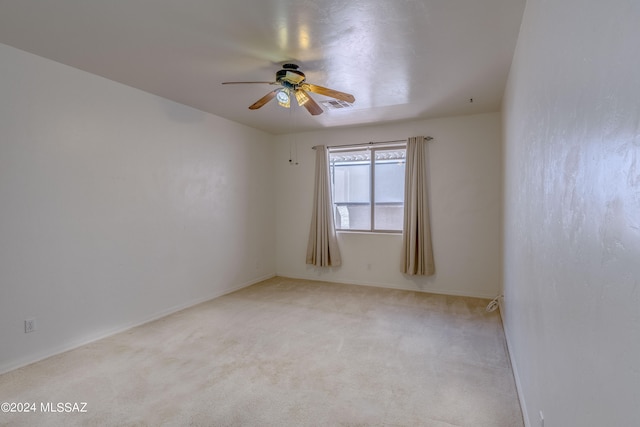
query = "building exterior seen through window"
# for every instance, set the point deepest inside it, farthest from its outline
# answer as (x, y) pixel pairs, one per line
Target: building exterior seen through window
(368, 188)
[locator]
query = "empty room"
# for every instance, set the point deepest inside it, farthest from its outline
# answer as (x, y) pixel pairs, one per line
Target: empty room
(320, 213)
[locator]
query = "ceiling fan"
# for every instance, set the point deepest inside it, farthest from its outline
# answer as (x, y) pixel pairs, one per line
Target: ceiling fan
(293, 83)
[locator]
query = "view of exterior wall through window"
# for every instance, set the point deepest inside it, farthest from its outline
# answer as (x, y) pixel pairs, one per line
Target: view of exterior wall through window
(368, 187)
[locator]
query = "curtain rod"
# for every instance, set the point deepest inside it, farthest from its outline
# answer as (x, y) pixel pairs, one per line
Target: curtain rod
(426, 138)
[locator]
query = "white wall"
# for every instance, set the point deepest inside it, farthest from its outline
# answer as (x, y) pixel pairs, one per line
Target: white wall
(572, 212)
(118, 206)
(465, 182)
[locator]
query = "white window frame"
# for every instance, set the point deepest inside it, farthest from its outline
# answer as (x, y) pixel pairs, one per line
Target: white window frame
(372, 202)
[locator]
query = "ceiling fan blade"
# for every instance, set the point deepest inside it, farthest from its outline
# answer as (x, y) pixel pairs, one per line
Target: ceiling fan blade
(260, 102)
(245, 83)
(329, 92)
(308, 103)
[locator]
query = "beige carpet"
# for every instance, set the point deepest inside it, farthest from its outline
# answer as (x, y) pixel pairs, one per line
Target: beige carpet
(287, 352)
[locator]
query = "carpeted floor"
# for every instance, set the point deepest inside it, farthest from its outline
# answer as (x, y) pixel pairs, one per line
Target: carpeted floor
(286, 352)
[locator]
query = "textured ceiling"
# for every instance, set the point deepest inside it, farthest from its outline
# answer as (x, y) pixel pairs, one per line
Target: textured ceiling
(401, 59)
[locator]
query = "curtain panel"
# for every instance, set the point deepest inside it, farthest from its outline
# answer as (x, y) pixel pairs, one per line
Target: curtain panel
(322, 249)
(417, 251)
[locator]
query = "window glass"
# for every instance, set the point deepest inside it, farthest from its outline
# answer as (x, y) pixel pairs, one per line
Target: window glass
(389, 193)
(368, 188)
(351, 181)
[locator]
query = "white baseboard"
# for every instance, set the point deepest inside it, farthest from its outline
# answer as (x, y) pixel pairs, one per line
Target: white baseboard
(33, 358)
(514, 368)
(388, 286)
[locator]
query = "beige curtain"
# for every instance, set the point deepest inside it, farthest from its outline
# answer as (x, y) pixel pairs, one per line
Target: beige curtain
(417, 252)
(322, 250)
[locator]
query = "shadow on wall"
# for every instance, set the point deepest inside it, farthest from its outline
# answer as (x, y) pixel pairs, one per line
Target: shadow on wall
(181, 113)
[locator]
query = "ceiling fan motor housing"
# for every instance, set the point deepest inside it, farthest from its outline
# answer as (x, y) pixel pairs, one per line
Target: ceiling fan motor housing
(289, 76)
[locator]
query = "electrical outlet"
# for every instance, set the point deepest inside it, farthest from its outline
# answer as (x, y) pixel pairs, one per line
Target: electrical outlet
(541, 419)
(29, 325)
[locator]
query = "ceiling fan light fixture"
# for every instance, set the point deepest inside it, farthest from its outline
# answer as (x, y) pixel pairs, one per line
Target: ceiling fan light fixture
(301, 97)
(284, 100)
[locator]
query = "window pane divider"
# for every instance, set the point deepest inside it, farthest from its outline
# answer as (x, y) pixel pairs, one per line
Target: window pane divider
(372, 191)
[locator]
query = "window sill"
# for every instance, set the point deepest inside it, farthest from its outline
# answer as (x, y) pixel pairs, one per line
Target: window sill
(384, 233)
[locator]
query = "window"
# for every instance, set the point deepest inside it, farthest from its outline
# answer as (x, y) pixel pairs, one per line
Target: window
(368, 187)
